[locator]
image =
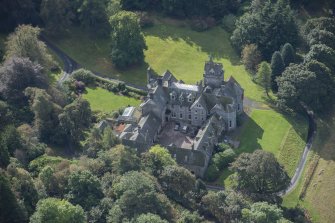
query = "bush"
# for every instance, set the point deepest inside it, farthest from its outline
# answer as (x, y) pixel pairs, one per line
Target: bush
(83, 75)
(228, 22)
(212, 172)
(223, 159)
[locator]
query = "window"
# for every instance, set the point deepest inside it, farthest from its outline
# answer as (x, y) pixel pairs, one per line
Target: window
(174, 155)
(238, 107)
(202, 118)
(186, 158)
(181, 115)
(229, 124)
(195, 111)
(196, 118)
(181, 98)
(173, 97)
(190, 99)
(189, 117)
(173, 114)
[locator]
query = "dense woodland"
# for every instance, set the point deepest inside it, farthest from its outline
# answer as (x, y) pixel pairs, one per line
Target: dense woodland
(90, 177)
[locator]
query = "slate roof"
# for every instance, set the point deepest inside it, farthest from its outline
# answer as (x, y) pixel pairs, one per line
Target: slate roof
(212, 68)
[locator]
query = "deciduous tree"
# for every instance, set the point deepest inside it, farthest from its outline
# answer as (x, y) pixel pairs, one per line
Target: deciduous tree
(53, 210)
(127, 40)
(24, 42)
(259, 173)
(56, 15)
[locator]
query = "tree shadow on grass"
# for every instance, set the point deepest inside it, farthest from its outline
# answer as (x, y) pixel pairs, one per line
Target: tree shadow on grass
(214, 42)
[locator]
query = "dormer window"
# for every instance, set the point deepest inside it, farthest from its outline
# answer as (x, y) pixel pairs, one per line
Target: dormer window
(181, 98)
(211, 71)
(173, 95)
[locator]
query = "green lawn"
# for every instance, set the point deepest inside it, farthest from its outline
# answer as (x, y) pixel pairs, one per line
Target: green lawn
(170, 46)
(320, 196)
(273, 132)
(105, 101)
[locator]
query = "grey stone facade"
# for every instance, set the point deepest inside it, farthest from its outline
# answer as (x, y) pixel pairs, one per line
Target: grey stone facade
(204, 111)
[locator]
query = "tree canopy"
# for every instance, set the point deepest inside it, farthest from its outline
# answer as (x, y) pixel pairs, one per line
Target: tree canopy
(127, 40)
(269, 26)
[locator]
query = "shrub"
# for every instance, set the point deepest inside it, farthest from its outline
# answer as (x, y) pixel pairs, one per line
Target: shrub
(223, 159)
(212, 172)
(83, 75)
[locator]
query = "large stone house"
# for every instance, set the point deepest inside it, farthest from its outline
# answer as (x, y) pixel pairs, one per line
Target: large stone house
(187, 119)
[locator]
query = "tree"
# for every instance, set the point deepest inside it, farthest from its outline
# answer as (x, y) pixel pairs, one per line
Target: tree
(251, 57)
(45, 111)
(226, 206)
(311, 84)
(84, 189)
(156, 159)
(6, 115)
(148, 218)
(222, 159)
(321, 37)
(15, 12)
(108, 138)
(23, 186)
(264, 76)
(262, 212)
(99, 213)
(277, 68)
(288, 54)
(120, 160)
(321, 23)
(74, 120)
(163, 155)
(190, 217)
(10, 211)
(56, 15)
(260, 174)
(127, 40)
(323, 54)
(53, 210)
(269, 27)
(16, 75)
(83, 75)
(24, 42)
(136, 194)
(92, 15)
(176, 181)
(4, 154)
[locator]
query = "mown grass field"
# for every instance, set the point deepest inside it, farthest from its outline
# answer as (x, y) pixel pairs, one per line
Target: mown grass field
(271, 131)
(105, 101)
(320, 197)
(172, 46)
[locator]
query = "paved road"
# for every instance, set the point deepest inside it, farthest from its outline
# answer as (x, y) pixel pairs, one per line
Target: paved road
(70, 65)
(303, 160)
